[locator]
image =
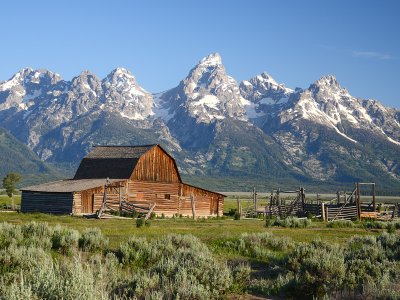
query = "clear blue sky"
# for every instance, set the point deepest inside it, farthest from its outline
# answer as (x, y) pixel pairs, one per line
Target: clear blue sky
(159, 41)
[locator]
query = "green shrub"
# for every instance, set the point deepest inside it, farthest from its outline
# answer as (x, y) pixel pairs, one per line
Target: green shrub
(391, 227)
(92, 240)
(64, 239)
(340, 224)
(136, 252)
(270, 221)
(174, 266)
(140, 222)
(259, 245)
(37, 235)
(21, 258)
(373, 266)
(375, 225)
(232, 212)
(9, 234)
(289, 222)
(273, 286)
(318, 269)
(241, 277)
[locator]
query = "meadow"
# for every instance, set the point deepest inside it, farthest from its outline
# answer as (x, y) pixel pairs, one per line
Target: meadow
(207, 258)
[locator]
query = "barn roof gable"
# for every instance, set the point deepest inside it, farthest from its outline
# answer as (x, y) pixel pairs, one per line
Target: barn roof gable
(113, 161)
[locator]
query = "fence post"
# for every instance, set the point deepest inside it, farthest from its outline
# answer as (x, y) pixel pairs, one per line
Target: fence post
(373, 197)
(239, 207)
(193, 206)
(303, 199)
(278, 197)
(323, 211)
(255, 202)
(358, 201)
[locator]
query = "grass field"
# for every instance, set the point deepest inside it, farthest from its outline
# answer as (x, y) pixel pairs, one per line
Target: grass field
(210, 231)
(6, 201)
(263, 261)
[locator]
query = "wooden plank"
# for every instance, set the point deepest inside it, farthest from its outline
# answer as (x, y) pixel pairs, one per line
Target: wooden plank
(150, 211)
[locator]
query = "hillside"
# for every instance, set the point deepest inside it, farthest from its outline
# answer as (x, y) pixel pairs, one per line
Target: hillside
(17, 157)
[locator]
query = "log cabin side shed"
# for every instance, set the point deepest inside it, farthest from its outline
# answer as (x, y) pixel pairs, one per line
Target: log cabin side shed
(141, 175)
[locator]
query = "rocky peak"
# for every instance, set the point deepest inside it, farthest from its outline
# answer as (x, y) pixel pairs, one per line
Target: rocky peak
(27, 87)
(209, 93)
(328, 84)
(207, 74)
(211, 60)
(264, 86)
(86, 81)
(120, 78)
(125, 96)
(27, 76)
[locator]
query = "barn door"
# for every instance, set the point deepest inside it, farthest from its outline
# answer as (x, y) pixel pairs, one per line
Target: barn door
(87, 202)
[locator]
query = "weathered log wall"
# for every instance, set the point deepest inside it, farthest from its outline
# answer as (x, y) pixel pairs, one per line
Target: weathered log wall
(173, 198)
(89, 201)
(53, 203)
(156, 165)
(77, 198)
(206, 203)
(165, 195)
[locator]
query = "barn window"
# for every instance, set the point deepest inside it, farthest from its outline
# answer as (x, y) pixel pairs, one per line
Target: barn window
(167, 196)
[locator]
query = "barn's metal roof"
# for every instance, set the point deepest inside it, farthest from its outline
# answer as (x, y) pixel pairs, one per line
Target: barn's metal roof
(111, 161)
(69, 185)
(101, 152)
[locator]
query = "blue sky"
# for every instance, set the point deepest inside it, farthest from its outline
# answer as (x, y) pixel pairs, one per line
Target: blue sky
(296, 42)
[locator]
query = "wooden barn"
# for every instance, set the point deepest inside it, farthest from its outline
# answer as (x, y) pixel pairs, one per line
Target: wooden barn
(115, 176)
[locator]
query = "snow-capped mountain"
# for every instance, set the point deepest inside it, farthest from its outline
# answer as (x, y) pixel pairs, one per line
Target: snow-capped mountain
(25, 88)
(206, 94)
(123, 94)
(326, 103)
(324, 130)
(262, 91)
(212, 125)
(50, 114)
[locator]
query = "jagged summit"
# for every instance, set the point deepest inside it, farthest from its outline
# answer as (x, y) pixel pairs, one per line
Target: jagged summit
(122, 94)
(120, 77)
(208, 93)
(328, 82)
(213, 59)
(29, 75)
(263, 91)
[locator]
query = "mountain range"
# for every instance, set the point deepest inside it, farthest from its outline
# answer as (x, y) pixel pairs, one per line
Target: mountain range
(224, 134)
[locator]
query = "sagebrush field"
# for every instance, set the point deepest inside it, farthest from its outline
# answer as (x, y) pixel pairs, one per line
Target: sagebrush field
(66, 257)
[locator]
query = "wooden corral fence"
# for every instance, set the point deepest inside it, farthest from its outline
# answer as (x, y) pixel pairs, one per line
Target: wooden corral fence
(277, 206)
(334, 212)
(345, 206)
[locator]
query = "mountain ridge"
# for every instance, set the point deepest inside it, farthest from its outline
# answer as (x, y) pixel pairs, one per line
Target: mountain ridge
(214, 125)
